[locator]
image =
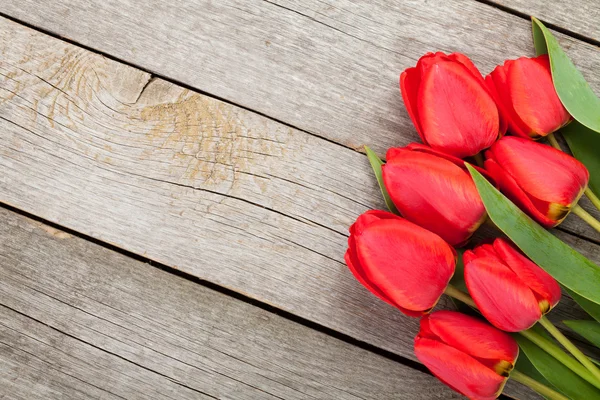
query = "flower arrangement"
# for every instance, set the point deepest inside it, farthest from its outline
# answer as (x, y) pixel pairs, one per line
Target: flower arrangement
(490, 154)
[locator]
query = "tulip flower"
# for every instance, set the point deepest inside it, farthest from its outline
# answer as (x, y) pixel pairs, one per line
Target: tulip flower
(467, 354)
(544, 182)
(435, 191)
(526, 97)
(401, 263)
(511, 291)
(450, 104)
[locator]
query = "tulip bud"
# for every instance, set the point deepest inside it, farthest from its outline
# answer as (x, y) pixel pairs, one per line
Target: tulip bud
(544, 182)
(470, 356)
(450, 105)
(401, 263)
(526, 97)
(435, 191)
(510, 290)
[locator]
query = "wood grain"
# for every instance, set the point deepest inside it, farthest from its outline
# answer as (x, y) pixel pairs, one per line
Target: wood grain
(581, 17)
(194, 183)
(81, 321)
(187, 180)
(327, 67)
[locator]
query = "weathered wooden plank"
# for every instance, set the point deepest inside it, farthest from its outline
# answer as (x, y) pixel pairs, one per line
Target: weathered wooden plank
(81, 321)
(581, 17)
(328, 67)
(189, 181)
(184, 179)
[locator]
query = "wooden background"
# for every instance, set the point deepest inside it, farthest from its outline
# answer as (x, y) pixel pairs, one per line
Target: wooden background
(178, 179)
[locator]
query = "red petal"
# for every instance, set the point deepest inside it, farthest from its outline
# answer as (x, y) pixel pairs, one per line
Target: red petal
(538, 280)
(458, 370)
(541, 171)
(509, 187)
(456, 112)
(408, 264)
(483, 250)
(351, 258)
(435, 194)
(356, 269)
(501, 296)
(410, 80)
(473, 336)
(497, 83)
(466, 61)
(367, 218)
(429, 150)
(533, 95)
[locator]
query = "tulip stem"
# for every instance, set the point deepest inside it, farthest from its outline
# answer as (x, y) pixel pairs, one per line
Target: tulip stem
(537, 386)
(556, 352)
(554, 142)
(593, 198)
(460, 295)
(587, 217)
(478, 160)
(567, 344)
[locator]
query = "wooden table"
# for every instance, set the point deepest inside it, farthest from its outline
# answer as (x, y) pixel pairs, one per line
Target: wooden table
(178, 178)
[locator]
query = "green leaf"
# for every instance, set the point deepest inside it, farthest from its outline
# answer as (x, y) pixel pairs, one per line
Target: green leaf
(525, 366)
(585, 145)
(590, 330)
(559, 376)
(573, 90)
(566, 265)
(539, 42)
(589, 307)
(376, 164)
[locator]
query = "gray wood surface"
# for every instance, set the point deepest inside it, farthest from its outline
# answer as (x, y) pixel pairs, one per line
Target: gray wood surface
(580, 17)
(80, 321)
(328, 67)
(200, 185)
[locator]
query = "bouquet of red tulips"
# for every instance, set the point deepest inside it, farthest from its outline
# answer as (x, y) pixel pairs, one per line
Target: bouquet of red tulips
(489, 153)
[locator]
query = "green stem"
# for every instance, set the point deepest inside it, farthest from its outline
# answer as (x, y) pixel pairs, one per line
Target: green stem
(567, 344)
(460, 295)
(593, 198)
(561, 356)
(537, 386)
(587, 217)
(478, 160)
(553, 141)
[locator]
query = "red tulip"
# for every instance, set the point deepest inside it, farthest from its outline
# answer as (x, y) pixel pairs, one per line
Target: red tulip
(544, 182)
(450, 105)
(526, 97)
(435, 191)
(401, 263)
(470, 356)
(509, 289)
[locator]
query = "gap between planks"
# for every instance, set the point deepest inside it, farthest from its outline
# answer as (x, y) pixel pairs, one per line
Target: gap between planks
(226, 291)
(521, 14)
(157, 75)
(194, 341)
(572, 225)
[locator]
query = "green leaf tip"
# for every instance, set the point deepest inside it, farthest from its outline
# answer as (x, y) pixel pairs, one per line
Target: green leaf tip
(376, 164)
(574, 92)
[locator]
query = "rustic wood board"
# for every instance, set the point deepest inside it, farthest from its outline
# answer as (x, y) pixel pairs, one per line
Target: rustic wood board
(579, 17)
(328, 67)
(81, 321)
(194, 183)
